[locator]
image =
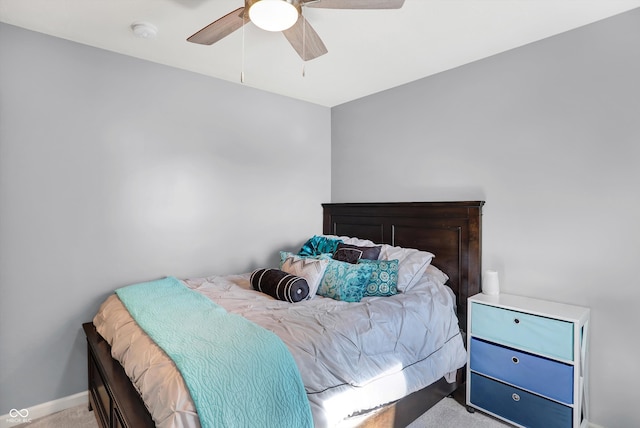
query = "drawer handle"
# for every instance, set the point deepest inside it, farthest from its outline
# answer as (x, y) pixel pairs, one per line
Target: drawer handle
(515, 397)
(515, 360)
(516, 320)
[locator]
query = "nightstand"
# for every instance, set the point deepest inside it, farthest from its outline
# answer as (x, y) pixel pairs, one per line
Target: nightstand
(527, 360)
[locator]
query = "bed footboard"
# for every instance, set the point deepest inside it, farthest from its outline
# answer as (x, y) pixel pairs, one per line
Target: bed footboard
(112, 396)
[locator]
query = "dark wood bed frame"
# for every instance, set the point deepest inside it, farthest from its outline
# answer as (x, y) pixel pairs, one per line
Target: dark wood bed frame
(450, 230)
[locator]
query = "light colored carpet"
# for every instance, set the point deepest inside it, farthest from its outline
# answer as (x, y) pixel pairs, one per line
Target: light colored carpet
(74, 417)
(448, 413)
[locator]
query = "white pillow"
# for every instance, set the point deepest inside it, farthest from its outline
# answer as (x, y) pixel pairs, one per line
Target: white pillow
(437, 274)
(308, 268)
(412, 263)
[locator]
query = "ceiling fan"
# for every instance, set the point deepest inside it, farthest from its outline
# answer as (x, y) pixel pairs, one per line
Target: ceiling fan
(285, 16)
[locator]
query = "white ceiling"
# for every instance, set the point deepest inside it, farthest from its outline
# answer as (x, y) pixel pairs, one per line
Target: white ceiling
(369, 50)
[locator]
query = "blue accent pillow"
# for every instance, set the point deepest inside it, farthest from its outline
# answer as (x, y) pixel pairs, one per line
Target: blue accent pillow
(345, 281)
(384, 277)
(319, 245)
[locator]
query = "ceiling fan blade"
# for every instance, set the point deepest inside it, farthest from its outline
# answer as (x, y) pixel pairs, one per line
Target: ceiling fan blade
(354, 4)
(312, 46)
(220, 28)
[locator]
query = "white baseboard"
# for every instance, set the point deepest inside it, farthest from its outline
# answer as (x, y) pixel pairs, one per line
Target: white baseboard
(20, 416)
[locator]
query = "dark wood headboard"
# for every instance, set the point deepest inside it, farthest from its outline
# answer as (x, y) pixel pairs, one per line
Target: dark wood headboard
(450, 230)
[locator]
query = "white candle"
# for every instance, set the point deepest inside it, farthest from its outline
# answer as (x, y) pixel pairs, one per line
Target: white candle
(490, 283)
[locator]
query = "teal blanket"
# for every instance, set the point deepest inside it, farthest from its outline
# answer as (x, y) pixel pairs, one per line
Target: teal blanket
(238, 373)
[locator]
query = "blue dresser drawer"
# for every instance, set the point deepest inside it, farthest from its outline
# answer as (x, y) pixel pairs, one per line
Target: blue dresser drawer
(540, 375)
(518, 406)
(549, 337)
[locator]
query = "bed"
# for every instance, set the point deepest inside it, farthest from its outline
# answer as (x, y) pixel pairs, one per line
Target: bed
(450, 230)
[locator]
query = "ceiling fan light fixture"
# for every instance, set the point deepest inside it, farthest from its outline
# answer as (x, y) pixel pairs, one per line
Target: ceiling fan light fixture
(274, 15)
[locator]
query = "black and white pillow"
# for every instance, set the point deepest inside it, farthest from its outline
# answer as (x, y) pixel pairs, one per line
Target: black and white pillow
(280, 285)
(310, 268)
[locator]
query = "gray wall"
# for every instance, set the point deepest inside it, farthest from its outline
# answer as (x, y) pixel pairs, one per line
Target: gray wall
(115, 170)
(549, 136)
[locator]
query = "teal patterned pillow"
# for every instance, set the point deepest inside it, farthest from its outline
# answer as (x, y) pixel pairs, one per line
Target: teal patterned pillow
(384, 277)
(319, 245)
(345, 281)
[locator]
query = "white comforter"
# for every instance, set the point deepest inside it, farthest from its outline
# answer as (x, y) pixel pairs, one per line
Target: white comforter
(352, 356)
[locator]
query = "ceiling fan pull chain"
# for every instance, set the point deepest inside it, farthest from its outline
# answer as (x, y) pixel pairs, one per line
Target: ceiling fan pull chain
(304, 43)
(242, 60)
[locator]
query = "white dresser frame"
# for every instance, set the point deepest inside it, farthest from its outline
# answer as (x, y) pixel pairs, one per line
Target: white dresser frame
(577, 315)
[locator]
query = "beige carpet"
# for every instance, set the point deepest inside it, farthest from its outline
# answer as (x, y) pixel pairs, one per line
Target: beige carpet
(448, 413)
(74, 417)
